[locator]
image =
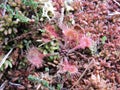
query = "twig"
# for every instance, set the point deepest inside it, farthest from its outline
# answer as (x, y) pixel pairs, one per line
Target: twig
(15, 84)
(81, 75)
(117, 3)
(5, 57)
(3, 85)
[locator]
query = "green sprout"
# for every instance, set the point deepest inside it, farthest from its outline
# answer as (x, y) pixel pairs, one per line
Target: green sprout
(7, 63)
(103, 39)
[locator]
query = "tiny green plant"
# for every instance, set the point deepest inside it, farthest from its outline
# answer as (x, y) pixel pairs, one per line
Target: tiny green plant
(30, 3)
(34, 79)
(103, 39)
(38, 80)
(59, 86)
(8, 9)
(8, 63)
(21, 17)
(51, 48)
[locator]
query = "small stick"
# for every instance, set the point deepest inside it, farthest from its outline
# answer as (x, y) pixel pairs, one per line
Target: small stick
(15, 84)
(81, 75)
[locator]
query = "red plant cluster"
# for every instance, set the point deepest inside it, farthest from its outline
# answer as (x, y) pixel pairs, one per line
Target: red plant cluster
(71, 36)
(51, 30)
(81, 40)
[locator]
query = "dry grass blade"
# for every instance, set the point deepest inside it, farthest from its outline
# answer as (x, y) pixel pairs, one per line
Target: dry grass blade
(3, 85)
(5, 57)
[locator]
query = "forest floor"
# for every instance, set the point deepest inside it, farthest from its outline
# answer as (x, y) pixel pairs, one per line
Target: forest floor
(60, 45)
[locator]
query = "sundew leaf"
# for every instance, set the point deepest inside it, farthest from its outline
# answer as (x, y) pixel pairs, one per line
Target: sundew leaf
(67, 67)
(51, 30)
(35, 57)
(84, 42)
(71, 34)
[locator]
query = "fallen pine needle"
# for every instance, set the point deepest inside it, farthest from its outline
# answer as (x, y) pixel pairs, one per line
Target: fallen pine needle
(81, 75)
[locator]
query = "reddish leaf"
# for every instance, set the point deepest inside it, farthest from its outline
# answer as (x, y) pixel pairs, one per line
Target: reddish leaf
(51, 30)
(35, 57)
(71, 34)
(67, 67)
(84, 42)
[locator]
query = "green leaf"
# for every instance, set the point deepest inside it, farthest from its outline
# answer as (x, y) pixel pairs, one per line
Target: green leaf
(45, 83)
(34, 79)
(103, 39)
(59, 86)
(6, 64)
(2, 5)
(2, 68)
(30, 3)
(21, 17)
(10, 64)
(47, 69)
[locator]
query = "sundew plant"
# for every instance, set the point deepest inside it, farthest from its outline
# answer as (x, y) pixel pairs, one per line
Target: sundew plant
(60, 45)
